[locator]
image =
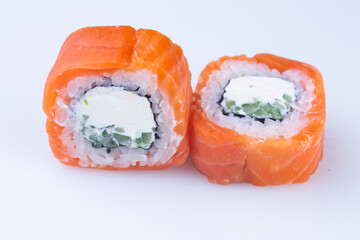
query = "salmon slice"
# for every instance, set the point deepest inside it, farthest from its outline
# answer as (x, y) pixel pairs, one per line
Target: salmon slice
(225, 156)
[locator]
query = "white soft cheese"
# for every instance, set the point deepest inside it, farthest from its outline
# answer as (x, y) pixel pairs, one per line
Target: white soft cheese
(113, 105)
(249, 89)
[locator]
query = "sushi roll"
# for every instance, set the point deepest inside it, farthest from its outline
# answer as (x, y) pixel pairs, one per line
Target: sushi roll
(118, 98)
(257, 120)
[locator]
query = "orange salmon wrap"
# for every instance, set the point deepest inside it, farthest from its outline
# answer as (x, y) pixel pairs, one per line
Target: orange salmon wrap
(225, 156)
(101, 52)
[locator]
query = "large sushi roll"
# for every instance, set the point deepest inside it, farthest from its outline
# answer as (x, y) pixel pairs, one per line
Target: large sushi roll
(258, 120)
(118, 98)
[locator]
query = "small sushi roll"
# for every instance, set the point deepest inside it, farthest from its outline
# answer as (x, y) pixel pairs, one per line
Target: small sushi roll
(257, 120)
(119, 98)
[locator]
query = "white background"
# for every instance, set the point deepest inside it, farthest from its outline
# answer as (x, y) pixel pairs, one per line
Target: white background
(43, 199)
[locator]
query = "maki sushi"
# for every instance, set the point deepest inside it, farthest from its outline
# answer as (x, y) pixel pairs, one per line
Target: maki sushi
(118, 98)
(258, 120)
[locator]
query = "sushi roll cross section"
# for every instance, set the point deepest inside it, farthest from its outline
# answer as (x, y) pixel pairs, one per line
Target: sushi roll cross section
(119, 98)
(258, 120)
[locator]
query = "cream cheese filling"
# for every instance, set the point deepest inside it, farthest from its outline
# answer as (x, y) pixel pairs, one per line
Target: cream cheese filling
(116, 116)
(259, 96)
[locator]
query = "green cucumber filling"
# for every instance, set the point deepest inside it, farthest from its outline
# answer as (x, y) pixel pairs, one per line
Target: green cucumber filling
(258, 97)
(109, 117)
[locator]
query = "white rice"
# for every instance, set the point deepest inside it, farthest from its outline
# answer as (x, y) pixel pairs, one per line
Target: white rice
(121, 157)
(292, 123)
